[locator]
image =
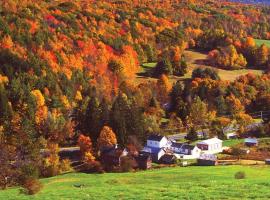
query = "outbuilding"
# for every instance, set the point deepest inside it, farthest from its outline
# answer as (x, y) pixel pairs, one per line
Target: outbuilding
(168, 159)
(156, 153)
(185, 151)
(144, 161)
(157, 141)
(210, 146)
(207, 160)
(250, 142)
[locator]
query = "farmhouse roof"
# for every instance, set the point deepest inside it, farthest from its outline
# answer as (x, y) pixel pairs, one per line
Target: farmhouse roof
(152, 150)
(188, 146)
(168, 158)
(143, 156)
(251, 140)
(208, 157)
(177, 144)
(210, 141)
(155, 137)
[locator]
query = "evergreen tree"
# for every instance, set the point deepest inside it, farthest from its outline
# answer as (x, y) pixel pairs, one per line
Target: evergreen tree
(192, 135)
(180, 67)
(198, 112)
(262, 54)
(178, 105)
(221, 105)
(153, 102)
(163, 67)
(135, 121)
(119, 112)
(92, 122)
(5, 110)
(205, 73)
(149, 52)
(105, 112)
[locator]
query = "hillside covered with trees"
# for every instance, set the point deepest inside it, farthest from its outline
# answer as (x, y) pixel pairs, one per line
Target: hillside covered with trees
(68, 75)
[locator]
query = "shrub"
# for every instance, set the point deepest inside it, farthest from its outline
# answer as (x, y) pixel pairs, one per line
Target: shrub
(65, 166)
(192, 135)
(50, 171)
(205, 73)
(32, 186)
(237, 152)
(163, 67)
(92, 167)
(127, 164)
(240, 175)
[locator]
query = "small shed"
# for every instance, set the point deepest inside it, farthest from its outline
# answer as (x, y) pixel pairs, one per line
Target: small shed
(211, 146)
(156, 153)
(250, 142)
(111, 157)
(144, 161)
(207, 160)
(168, 159)
(231, 135)
(267, 161)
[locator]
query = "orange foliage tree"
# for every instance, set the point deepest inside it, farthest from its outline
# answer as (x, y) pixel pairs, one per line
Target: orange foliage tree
(107, 137)
(85, 144)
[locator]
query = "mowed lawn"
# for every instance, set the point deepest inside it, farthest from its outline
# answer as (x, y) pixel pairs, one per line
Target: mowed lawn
(260, 42)
(167, 183)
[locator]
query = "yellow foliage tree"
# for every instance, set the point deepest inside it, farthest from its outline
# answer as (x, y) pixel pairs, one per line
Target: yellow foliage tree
(39, 97)
(107, 137)
(235, 105)
(78, 96)
(163, 88)
(3, 79)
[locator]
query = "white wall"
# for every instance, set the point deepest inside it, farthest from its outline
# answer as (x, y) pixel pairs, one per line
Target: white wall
(160, 154)
(215, 148)
(163, 142)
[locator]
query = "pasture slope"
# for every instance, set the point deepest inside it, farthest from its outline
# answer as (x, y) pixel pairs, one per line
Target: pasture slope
(195, 59)
(260, 42)
(160, 184)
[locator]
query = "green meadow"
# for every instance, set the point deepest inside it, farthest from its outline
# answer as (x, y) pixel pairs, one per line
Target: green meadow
(166, 183)
(260, 42)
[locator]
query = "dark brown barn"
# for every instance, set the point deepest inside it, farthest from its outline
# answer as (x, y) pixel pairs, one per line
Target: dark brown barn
(168, 159)
(144, 161)
(111, 157)
(207, 160)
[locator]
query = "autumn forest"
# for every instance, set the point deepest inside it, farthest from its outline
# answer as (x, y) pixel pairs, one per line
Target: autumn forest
(71, 75)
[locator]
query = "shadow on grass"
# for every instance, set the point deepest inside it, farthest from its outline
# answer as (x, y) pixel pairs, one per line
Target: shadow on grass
(147, 72)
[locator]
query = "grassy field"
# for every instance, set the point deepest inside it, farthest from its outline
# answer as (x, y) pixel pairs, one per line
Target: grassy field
(260, 42)
(193, 60)
(166, 183)
(232, 142)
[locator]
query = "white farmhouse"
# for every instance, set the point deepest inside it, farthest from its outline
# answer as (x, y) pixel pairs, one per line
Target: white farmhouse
(156, 146)
(185, 151)
(157, 141)
(210, 146)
